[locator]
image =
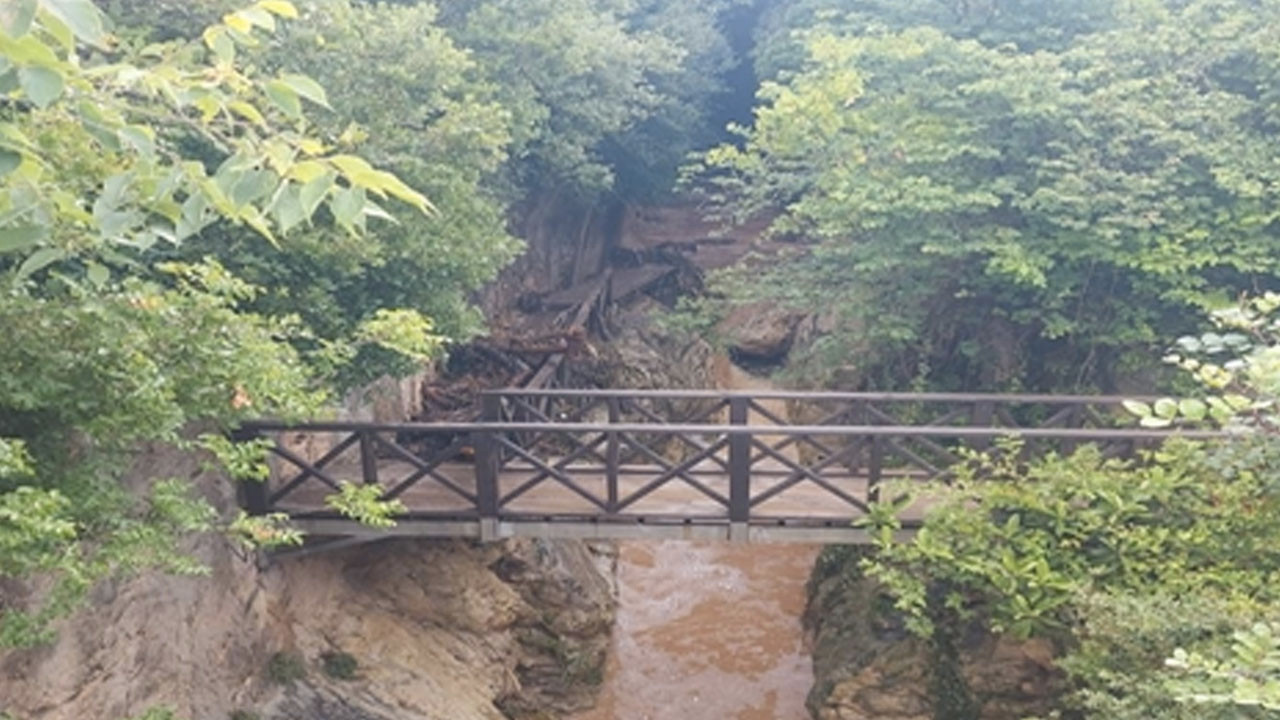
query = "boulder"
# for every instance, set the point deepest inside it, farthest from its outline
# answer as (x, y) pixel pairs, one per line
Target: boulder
(760, 332)
(868, 667)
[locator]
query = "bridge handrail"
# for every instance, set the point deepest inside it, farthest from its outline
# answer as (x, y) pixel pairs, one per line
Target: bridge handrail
(1006, 398)
(720, 428)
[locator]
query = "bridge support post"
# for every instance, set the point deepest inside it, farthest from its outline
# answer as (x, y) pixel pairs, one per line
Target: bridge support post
(612, 456)
(368, 459)
(739, 471)
(984, 415)
(487, 467)
(875, 469)
(254, 494)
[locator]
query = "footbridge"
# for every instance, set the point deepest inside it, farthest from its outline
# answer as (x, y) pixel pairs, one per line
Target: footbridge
(697, 464)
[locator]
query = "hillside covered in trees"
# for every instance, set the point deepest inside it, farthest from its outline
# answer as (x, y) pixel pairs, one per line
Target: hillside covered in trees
(212, 211)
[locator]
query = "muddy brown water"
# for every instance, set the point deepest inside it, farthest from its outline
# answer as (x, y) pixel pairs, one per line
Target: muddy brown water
(710, 631)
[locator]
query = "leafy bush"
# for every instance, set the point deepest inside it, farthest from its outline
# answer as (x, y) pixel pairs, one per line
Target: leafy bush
(1120, 643)
(1248, 679)
(340, 665)
(157, 713)
(365, 504)
(1022, 544)
(1174, 556)
(286, 668)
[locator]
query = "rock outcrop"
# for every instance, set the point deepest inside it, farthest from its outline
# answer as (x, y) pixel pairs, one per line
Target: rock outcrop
(760, 332)
(868, 667)
(440, 630)
(444, 630)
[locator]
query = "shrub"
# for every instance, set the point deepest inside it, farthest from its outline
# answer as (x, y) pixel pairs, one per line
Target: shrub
(339, 665)
(286, 668)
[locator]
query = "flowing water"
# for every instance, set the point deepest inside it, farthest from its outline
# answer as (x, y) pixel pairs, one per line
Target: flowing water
(709, 631)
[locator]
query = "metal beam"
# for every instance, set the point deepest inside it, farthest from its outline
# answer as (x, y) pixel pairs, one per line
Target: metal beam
(355, 533)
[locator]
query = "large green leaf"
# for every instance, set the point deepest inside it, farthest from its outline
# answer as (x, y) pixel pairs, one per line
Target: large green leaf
(307, 88)
(288, 208)
(40, 260)
(82, 16)
(1193, 409)
(41, 85)
(284, 97)
(347, 206)
(16, 16)
(28, 50)
(9, 161)
(314, 192)
(21, 237)
(8, 78)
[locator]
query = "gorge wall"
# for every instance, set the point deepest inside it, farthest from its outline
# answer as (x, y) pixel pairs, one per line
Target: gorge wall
(440, 630)
(868, 667)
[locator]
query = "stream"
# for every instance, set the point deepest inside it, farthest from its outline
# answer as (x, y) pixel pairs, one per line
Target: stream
(709, 631)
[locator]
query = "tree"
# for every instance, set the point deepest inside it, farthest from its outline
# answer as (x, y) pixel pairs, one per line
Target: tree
(111, 155)
(995, 218)
(1028, 25)
(597, 87)
(409, 99)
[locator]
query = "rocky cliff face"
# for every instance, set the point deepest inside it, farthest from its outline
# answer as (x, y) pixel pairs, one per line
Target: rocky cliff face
(444, 630)
(387, 631)
(867, 667)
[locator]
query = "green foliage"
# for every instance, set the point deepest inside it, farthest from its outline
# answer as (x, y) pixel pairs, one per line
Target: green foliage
(119, 161)
(273, 530)
(340, 665)
(1012, 217)
(1028, 26)
(90, 375)
(365, 504)
(15, 461)
(242, 460)
(1124, 563)
(1249, 678)
(1022, 545)
(286, 668)
(598, 88)
(1122, 641)
(407, 332)
(157, 713)
(431, 117)
(34, 527)
(109, 133)
(1239, 368)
